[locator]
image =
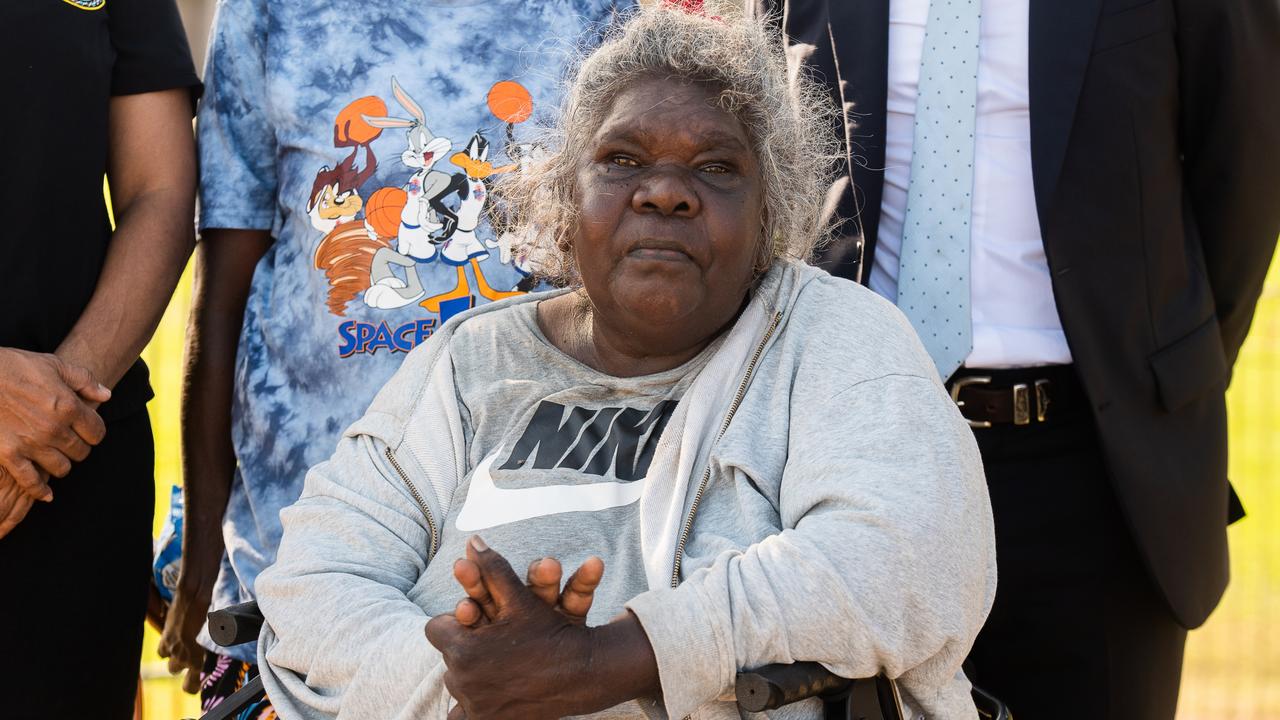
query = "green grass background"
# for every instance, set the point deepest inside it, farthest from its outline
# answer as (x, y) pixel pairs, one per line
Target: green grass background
(1233, 663)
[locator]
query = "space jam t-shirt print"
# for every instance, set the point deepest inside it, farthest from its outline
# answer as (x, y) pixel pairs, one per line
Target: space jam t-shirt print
(365, 137)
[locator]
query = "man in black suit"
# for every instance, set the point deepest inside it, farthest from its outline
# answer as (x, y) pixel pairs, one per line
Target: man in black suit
(1124, 208)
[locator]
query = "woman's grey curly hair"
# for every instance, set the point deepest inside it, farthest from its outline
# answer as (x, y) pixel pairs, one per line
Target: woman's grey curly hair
(788, 123)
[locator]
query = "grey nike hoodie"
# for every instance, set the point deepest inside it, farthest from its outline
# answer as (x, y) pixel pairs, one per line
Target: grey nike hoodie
(876, 553)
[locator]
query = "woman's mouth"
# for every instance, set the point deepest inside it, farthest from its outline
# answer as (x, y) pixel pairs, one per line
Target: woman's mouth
(660, 250)
(659, 254)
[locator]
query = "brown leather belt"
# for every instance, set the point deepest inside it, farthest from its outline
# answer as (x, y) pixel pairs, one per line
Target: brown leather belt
(1023, 396)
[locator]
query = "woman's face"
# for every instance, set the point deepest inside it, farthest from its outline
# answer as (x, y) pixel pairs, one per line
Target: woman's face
(670, 198)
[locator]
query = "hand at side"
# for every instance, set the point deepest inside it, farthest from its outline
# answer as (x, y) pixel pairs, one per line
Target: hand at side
(177, 643)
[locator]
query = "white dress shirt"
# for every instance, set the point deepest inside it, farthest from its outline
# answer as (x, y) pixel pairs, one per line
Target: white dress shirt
(1015, 319)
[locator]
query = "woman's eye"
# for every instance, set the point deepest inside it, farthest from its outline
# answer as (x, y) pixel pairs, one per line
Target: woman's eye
(624, 161)
(715, 168)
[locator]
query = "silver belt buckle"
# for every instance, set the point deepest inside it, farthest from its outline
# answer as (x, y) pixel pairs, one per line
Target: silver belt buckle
(962, 383)
(1021, 405)
(1042, 399)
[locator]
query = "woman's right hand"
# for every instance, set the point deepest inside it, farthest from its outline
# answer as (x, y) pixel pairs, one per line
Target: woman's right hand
(542, 578)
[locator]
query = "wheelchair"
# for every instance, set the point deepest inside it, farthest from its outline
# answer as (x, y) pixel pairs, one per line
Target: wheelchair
(765, 688)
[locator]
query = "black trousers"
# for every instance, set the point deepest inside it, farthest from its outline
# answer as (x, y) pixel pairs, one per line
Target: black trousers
(73, 586)
(1078, 629)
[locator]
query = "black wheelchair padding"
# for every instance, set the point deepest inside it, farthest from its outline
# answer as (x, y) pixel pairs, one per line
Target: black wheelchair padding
(765, 688)
(773, 686)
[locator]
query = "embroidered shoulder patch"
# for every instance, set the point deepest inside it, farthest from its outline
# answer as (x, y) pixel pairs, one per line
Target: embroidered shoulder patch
(86, 4)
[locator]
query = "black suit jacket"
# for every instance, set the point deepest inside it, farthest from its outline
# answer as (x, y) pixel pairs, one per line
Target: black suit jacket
(1155, 149)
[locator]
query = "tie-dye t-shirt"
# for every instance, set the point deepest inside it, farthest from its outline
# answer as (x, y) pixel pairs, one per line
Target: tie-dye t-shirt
(364, 135)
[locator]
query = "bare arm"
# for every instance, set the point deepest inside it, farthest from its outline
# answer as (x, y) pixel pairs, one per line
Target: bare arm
(225, 260)
(151, 167)
(44, 427)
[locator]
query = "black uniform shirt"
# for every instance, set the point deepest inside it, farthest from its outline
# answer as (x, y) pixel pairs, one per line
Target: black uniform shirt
(63, 60)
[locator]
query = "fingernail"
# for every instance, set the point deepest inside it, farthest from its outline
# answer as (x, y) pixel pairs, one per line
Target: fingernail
(104, 389)
(478, 544)
(47, 495)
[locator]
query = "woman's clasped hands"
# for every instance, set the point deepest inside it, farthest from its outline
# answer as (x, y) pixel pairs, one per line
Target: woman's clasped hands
(523, 649)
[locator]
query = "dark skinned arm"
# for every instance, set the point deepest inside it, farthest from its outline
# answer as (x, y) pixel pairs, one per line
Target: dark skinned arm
(151, 166)
(225, 261)
(152, 169)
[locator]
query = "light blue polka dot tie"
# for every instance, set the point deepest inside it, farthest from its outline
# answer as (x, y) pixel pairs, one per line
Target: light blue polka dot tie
(933, 276)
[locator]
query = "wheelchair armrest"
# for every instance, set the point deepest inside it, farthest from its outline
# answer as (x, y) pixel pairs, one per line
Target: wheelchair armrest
(773, 686)
(236, 624)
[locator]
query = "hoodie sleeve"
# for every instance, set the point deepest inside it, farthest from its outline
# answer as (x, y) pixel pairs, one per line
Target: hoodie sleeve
(886, 562)
(343, 639)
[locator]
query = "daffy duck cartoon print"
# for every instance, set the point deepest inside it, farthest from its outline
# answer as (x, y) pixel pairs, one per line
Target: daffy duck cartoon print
(462, 247)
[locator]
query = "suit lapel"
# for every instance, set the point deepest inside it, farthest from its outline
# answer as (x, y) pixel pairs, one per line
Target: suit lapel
(1061, 38)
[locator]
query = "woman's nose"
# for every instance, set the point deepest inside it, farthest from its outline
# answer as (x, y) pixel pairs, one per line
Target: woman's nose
(666, 191)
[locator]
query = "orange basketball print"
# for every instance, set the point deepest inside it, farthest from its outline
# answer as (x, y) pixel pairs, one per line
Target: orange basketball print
(382, 212)
(351, 129)
(510, 102)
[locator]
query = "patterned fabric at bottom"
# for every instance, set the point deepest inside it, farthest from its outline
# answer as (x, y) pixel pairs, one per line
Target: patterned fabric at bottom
(222, 677)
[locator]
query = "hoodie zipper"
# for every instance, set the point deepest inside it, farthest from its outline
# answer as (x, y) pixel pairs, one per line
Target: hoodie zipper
(417, 496)
(706, 473)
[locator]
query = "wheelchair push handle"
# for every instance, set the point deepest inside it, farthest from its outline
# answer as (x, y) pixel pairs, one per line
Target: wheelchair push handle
(236, 624)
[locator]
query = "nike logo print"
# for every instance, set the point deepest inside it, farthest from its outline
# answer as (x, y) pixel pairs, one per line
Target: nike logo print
(489, 506)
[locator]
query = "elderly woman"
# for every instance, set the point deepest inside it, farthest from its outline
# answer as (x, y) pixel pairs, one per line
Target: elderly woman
(757, 457)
